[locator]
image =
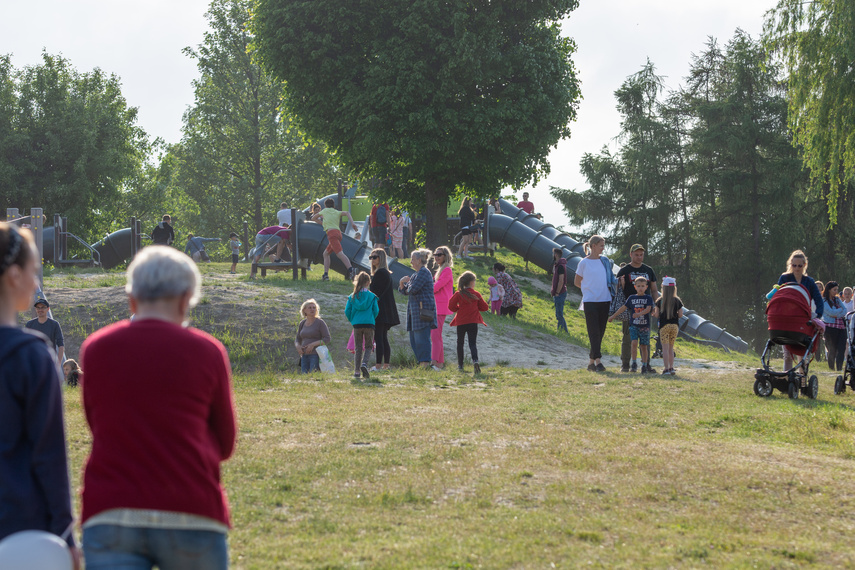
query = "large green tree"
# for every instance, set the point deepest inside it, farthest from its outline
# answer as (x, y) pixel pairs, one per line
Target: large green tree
(816, 41)
(69, 140)
(434, 97)
(240, 155)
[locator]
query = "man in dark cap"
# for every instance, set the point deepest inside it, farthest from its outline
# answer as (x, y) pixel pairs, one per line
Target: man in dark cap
(48, 327)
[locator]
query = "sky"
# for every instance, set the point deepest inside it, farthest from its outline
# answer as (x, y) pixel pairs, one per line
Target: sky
(141, 43)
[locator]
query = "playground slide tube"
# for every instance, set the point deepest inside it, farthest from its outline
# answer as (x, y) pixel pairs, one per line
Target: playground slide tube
(114, 249)
(534, 241)
(312, 241)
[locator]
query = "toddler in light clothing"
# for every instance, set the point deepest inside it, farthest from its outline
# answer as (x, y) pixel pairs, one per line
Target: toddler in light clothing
(497, 293)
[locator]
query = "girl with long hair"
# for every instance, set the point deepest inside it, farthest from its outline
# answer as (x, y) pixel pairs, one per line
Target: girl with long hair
(467, 304)
(670, 310)
(361, 310)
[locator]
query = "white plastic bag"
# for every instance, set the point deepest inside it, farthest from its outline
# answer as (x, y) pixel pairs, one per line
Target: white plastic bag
(325, 359)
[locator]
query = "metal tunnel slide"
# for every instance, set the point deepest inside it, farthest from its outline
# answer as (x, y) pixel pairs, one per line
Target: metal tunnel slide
(534, 241)
(114, 249)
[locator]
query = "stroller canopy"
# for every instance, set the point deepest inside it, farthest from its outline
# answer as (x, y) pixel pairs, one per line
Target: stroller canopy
(788, 315)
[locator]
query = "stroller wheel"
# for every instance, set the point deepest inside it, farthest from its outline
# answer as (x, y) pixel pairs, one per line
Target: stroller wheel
(793, 391)
(839, 386)
(813, 387)
(763, 387)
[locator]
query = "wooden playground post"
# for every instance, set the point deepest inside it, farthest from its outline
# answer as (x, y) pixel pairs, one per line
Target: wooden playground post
(245, 239)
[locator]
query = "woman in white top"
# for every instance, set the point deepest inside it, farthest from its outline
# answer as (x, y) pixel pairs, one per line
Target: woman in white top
(592, 279)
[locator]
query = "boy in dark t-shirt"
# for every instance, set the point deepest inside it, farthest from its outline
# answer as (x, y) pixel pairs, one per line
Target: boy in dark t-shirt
(641, 305)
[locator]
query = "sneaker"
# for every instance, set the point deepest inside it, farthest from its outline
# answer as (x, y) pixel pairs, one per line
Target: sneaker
(624, 368)
(600, 367)
(592, 368)
(232, 272)
(634, 367)
(364, 369)
(666, 372)
(672, 372)
(644, 369)
(650, 369)
(356, 376)
(373, 369)
(460, 369)
(325, 277)
(435, 368)
(476, 367)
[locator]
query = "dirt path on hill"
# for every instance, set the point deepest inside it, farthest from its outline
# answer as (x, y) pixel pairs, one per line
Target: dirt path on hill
(238, 305)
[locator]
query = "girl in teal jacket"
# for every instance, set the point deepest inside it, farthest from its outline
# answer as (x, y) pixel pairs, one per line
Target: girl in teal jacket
(361, 310)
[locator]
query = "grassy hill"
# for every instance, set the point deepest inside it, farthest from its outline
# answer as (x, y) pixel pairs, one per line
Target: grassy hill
(533, 467)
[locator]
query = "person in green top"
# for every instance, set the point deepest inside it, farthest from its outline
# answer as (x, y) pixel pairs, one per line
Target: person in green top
(330, 218)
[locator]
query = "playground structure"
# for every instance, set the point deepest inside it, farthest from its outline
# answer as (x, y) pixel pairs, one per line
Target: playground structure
(534, 240)
(521, 233)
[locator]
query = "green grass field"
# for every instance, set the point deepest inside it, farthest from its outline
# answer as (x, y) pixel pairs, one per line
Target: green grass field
(526, 469)
(518, 468)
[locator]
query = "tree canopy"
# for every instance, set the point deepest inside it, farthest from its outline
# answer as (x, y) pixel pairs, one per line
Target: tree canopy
(816, 41)
(706, 178)
(446, 96)
(240, 155)
(69, 142)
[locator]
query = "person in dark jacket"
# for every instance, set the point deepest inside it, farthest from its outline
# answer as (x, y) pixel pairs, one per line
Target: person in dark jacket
(796, 272)
(163, 234)
(382, 286)
(34, 486)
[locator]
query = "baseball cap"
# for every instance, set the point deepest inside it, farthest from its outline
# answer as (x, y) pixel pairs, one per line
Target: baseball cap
(41, 302)
(669, 282)
(636, 246)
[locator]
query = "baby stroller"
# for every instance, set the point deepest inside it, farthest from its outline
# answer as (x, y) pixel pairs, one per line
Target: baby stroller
(849, 372)
(789, 316)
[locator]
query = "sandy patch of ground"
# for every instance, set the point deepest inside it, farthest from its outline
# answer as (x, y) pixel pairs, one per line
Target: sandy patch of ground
(249, 309)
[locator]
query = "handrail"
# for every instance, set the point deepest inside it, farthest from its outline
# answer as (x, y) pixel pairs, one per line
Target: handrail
(95, 253)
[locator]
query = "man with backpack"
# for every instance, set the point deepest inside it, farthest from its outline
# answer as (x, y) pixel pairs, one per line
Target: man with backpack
(379, 221)
(163, 234)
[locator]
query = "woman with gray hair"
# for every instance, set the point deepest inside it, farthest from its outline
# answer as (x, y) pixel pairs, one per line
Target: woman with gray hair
(158, 400)
(421, 307)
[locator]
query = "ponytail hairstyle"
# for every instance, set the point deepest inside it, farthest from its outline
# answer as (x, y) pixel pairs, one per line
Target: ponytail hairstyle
(16, 246)
(362, 281)
(464, 282)
(593, 240)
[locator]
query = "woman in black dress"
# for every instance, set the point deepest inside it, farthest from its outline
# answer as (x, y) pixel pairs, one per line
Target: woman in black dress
(381, 285)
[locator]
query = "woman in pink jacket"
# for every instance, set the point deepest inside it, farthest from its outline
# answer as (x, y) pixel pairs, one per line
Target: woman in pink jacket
(443, 289)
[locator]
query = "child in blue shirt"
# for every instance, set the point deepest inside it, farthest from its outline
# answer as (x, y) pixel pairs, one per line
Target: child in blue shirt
(641, 304)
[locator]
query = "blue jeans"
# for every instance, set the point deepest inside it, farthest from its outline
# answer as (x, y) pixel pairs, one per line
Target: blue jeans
(420, 342)
(310, 363)
(112, 547)
(559, 310)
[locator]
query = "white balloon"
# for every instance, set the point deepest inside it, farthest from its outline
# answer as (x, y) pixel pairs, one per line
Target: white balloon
(34, 550)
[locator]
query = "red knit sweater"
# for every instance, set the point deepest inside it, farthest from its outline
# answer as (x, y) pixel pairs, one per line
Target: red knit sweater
(468, 310)
(158, 400)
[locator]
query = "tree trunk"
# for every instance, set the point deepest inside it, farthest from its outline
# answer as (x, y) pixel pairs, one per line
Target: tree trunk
(436, 217)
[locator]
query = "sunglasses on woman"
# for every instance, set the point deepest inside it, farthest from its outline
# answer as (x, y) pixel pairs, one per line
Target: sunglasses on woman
(438, 253)
(373, 257)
